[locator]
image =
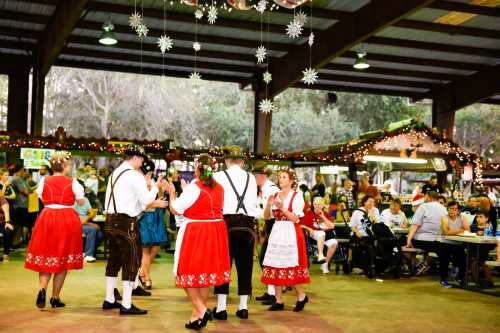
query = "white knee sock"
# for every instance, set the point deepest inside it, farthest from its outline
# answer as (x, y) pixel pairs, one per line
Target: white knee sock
(136, 282)
(270, 290)
(128, 286)
(221, 302)
(110, 288)
(243, 302)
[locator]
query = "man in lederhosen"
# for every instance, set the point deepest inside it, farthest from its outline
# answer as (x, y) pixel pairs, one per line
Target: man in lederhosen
(127, 195)
(266, 189)
(240, 210)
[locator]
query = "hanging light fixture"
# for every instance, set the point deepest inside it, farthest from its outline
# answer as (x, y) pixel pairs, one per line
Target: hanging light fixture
(107, 36)
(361, 61)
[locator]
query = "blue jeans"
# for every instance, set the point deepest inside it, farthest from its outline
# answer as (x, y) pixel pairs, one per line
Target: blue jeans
(93, 237)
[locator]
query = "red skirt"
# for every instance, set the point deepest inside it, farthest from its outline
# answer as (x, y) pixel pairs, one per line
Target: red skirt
(56, 242)
(290, 276)
(204, 256)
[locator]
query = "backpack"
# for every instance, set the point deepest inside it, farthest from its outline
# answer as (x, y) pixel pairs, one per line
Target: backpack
(365, 221)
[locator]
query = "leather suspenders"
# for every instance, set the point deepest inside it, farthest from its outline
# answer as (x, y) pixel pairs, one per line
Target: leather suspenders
(112, 194)
(238, 197)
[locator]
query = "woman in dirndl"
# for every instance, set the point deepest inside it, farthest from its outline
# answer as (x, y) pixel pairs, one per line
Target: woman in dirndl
(201, 251)
(56, 243)
(152, 230)
(285, 262)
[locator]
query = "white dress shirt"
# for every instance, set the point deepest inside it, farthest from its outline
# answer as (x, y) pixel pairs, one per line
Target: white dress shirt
(239, 178)
(187, 198)
(297, 204)
(268, 189)
(130, 192)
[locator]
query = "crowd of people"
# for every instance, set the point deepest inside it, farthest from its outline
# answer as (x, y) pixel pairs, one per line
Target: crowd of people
(220, 218)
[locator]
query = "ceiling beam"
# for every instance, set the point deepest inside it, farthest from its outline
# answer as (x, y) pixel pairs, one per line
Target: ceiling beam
(448, 29)
(363, 24)
(57, 31)
(462, 7)
(376, 81)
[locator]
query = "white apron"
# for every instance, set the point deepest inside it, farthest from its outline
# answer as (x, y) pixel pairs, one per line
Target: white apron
(282, 250)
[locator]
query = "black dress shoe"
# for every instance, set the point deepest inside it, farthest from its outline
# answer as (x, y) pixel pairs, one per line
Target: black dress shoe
(108, 305)
(243, 314)
(206, 317)
(139, 291)
(41, 298)
(133, 311)
(219, 315)
(264, 297)
(300, 304)
(118, 297)
(270, 301)
(277, 307)
(194, 325)
(56, 303)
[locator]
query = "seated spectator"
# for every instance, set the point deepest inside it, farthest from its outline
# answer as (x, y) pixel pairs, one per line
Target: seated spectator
(346, 190)
(92, 232)
(442, 200)
(452, 224)
(471, 206)
(394, 216)
(425, 230)
(485, 204)
(92, 182)
(363, 217)
(320, 228)
(479, 227)
(6, 228)
(343, 213)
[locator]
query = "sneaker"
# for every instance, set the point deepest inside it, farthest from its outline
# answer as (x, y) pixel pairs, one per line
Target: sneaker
(321, 259)
(324, 268)
(445, 284)
(422, 269)
(89, 259)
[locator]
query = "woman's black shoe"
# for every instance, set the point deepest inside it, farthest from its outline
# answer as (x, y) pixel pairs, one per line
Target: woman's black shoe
(206, 317)
(264, 297)
(277, 307)
(56, 303)
(139, 291)
(41, 299)
(300, 304)
(194, 325)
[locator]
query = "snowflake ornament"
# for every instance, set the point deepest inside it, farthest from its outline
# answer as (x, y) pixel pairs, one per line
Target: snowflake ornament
(165, 43)
(261, 54)
(267, 77)
(311, 39)
(135, 20)
(212, 14)
(310, 76)
(142, 30)
(195, 78)
(266, 106)
(196, 46)
(294, 29)
(301, 18)
(198, 14)
(261, 6)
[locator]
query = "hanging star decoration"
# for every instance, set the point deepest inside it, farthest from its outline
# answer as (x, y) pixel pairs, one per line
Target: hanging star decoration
(294, 29)
(142, 30)
(261, 6)
(301, 18)
(135, 20)
(267, 77)
(266, 106)
(195, 78)
(310, 76)
(196, 46)
(311, 39)
(261, 54)
(198, 14)
(165, 43)
(212, 14)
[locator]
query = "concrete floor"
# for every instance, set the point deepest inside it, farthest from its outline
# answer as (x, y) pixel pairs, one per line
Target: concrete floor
(338, 304)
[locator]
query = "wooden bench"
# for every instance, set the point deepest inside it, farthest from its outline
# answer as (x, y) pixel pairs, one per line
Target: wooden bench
(411, 253)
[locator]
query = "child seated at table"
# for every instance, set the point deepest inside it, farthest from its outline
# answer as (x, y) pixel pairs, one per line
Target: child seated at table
(478, 227)
(393, 216)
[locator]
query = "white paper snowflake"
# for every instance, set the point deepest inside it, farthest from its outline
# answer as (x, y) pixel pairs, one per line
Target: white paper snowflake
(267, 77)
(198, 14)
(310, 76)
(301, 17)
(142, 30)
(261, 6)
(212, 14)
(135, 20)
(266, 106)
(261, 54)
(196, 46)
(195, 78)
(311, 39)
(294, 29)
(165, 43)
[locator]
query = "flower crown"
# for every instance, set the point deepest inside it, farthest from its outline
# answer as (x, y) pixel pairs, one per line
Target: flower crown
(60, 158)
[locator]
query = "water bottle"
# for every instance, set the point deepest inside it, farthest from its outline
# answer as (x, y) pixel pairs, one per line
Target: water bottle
(488, 231)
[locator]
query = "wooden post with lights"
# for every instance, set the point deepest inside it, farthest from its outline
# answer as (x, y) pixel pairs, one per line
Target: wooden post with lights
(262, 121)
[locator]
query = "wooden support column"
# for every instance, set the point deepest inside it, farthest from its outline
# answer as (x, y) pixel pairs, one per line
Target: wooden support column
(443, 113)
(262, 122)
(37, 101)
(17, 105)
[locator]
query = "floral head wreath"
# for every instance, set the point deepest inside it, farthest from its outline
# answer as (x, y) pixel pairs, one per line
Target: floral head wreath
(207, 169)
(60, 158)
(291, 173)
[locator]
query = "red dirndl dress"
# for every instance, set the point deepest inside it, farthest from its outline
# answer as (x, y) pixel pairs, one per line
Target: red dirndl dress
(202, 251)
(56, 240)
(287, 276)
